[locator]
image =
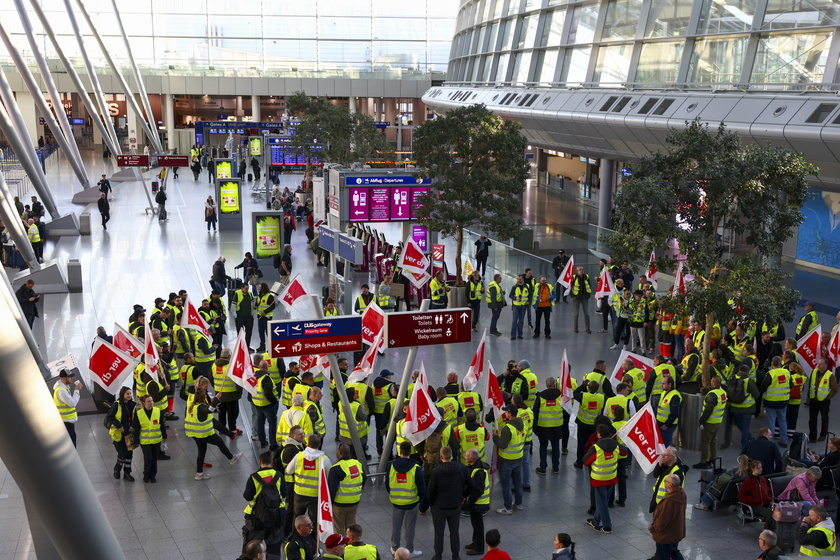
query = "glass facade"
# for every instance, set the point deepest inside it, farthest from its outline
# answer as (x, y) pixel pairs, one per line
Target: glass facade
(263, 37)
(714, 44)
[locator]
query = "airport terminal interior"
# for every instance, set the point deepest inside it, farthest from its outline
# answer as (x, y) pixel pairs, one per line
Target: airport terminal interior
(398, 63)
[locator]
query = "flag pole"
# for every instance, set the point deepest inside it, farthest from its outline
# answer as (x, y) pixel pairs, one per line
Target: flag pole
(392, 425)
(342, 391)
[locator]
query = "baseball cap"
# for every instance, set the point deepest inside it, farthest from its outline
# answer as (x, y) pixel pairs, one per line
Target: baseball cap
(335, 540)
(512, 408)
(386, 373)
(66, 373)
(138, 307)
(561, 251)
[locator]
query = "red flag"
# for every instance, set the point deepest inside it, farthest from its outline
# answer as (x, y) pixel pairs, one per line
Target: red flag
(325, 514)
(412, 258)
(422, 417)
(644, 364)
(605, 286)
(679, 281)
(373, 323)
(493, 393)
(808, 349)
(641, 435)
(652, 274)
(568, 275)
(293, 292)
(150, 354)
(833, 353)
(365, 366)
(419, 279)
(126, 342)
(192, 319)
(476, 369)
(306, 363)
(567, 397)
(241, 370)
(110, 366)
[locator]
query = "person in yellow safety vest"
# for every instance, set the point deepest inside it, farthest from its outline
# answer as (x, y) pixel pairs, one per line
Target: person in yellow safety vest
(307, 381)
(289, 381)
(381, 390)
(636, 380)
(364, 396)
(808, 321)
(205, 352)
(266, 405)
(599, 376)
(591, 405)
(623, 399)
(198, 425)
(450, 406)
(698, 334)
(345, 480)
(312, 407)
(664, 321)
(742, 395)
(357, 549)
(306, 467)
(581, 291)
(330, 309)
(797, 389)
(543, 299)
(510, 442)
(527, 416)
(668, 410)
(34, 235)
(228, 393)
(302, 544)
(294, 416)
(532, 381)
(775, 329)
(776, 390)
(750, 359)
(163, 322)
(265, 305)
(548, 424)
(690, 362)
(66, 399)
(265, 476)
(602, 459)
(478, 500)
(471, 435)
(619, 309)
(475, 289)
(406, 487)
(363, 300)
(714, 407)
(668, 463)
(383, 294)
(358, 414)
(520, 297)
(149, 427)
(661, 368)
(653, 310)
(817, 533)
(440, 291)
(821, 389)
(739, 344)
(469, 400)
(495, 299)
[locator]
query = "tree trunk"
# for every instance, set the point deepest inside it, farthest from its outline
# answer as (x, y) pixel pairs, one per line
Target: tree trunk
(707, 347)
(459, 245)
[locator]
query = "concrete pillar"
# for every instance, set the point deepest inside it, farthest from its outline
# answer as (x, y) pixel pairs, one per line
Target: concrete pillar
(255, 108)
(351, 104)
(606, 191)
(239, 111)
(30, 116)
(131, 122)
(97, 134)
(169, 120)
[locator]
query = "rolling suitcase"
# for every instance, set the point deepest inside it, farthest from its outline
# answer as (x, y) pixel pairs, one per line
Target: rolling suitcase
(250, 177)
(786, 535)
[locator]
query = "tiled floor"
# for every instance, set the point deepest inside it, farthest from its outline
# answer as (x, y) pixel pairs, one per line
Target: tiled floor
(138, 259)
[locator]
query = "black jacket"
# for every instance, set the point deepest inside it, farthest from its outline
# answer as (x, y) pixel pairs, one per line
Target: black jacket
(449, 484)
(766, 451)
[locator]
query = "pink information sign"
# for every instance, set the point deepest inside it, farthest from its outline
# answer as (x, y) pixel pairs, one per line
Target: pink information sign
(359, 204)
(400, 203)
(417, 192)
(380, 207)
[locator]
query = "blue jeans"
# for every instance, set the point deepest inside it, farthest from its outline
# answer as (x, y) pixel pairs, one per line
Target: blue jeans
(679, 346)
(602, 510)
(528, 308)
(267, 414)
(780, 415)
(554, 441)
(262, 325)
(518, 320)
(667, 434)
(511, 473)
(494, 318)
(526, 465)
(742, 422)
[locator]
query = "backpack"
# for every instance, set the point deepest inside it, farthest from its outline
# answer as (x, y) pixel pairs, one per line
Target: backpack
(266, 507)
(277, 261)
(738, 394)
(719, 485)
(160, 198)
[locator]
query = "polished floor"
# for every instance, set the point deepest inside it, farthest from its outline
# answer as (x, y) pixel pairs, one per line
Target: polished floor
(138, 259)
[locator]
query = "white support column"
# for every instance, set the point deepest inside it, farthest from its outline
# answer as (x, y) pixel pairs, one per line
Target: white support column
(352, 104)
(131, 125)
(169, 120)
(255, 108)
(30, 116)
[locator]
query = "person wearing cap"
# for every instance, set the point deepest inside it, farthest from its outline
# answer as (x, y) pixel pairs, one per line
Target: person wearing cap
(66, 399)
(334, 546)
(357, 549)
(482, 251)
(345, 480)
(381, 395)
(808, 321)
(558, 264)
(363, 300)
(510, 442)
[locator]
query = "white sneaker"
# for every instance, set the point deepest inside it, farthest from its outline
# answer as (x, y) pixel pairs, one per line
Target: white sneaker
(416, 553)
(614, 346)
(701, 505)
(201, 476)
(163, 446)
(393, 551)
(504, 511)
(518, 507)
(236, 458)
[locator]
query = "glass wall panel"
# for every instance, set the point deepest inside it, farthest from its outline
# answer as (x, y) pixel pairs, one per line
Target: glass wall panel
(486, 66)
(501, 69)
(179, 26)
(575, 63)
(669, 18)
(290, 27)
(527, 31)
(522, 67)
(491, 42)
(341, 28)
(497, 8)
(440, 29)
(613, 64)
(789, 14)
(726, 16)
(513, 7)
(659, 63)
(717, 60)
(234, 26)
(508, 26)
(286, 9)
(582, 27)
(291, 50)
(355, 54)
(788, 59)
(398, 28)
(557, 2)
(622, 19)
(544, 65)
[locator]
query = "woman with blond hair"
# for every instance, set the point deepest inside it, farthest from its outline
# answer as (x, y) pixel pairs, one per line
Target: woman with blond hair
(201, 426)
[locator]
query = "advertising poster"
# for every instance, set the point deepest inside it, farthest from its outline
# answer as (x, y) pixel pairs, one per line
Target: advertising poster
(223, 169)
(267, 233)
(255, 146)
(229, 197)
(819, 237)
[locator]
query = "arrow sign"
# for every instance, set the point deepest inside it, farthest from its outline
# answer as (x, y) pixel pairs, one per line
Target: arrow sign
(425, 328)
(464, 317)
(315, 336)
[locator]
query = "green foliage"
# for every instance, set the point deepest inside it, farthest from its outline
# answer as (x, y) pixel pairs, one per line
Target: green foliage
(704, 182)
(478, 161)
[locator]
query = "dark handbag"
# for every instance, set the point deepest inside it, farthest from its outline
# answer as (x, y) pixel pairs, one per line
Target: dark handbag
(131, 441)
